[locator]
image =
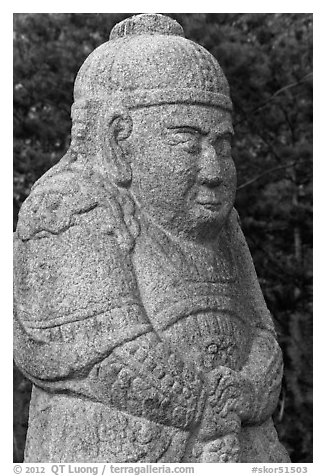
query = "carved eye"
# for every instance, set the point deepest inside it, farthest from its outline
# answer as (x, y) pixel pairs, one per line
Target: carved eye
(186, 137)
(223, 145)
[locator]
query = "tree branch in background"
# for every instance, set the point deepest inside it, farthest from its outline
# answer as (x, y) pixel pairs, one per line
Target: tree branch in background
(273, 96)
(254, 179)
(259, 134)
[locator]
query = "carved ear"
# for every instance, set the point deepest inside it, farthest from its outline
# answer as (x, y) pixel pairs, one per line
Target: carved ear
(117, 128)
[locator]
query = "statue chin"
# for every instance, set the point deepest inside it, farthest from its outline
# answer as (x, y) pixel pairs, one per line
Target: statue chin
(202, 225)
(209, 220)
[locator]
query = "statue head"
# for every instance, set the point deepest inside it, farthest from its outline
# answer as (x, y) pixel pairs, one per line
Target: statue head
(152, 111)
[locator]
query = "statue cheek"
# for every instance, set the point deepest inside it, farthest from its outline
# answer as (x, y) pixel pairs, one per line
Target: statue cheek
(230, 175)
(174, 176)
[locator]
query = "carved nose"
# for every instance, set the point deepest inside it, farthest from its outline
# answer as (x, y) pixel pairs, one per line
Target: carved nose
(209, 168)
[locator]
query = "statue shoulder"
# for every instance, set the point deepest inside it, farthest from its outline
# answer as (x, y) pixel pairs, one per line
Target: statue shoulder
(70, 199)
(51, 206)
(68, 258)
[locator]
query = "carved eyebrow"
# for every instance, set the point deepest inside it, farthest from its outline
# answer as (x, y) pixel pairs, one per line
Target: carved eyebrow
(227, 131)
(185, 127)
(219, 133)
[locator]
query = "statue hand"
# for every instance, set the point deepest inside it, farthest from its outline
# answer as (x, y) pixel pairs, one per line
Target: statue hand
(214, 425)
(220, 414)
(232, 393)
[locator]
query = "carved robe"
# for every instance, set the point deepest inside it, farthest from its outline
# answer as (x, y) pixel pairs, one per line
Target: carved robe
(117, 340)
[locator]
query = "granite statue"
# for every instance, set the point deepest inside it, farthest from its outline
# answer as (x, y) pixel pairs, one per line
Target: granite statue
(138, 313)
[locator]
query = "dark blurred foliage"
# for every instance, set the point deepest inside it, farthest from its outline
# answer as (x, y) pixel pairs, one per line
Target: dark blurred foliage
(267, 59)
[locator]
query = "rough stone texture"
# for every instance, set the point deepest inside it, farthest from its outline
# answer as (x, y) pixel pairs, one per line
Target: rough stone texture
(138, 314)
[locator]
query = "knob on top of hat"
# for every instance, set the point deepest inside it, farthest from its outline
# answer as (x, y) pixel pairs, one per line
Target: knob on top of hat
(146, 24)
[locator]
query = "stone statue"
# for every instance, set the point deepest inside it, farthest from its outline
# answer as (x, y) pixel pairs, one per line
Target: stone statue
(138, 314)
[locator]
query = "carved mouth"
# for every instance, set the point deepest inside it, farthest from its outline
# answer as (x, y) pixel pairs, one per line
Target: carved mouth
(210, 205)
(210, 199)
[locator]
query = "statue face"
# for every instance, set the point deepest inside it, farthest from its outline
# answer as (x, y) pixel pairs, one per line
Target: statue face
(183, 175)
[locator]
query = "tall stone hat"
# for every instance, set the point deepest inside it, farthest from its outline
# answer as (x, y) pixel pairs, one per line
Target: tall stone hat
(148, 61)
